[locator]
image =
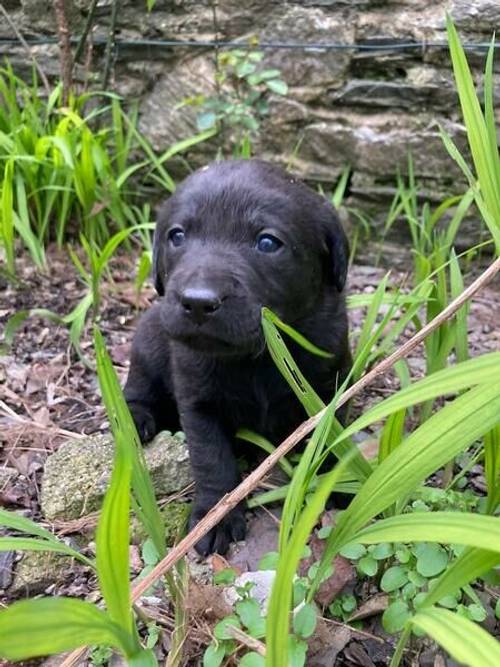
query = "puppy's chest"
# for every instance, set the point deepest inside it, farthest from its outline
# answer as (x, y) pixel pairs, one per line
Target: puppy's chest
(257, 398)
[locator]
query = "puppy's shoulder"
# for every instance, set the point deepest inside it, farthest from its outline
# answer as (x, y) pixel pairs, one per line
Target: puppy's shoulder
(151, 340)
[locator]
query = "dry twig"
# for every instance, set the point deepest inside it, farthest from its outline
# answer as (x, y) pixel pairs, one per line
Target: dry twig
(65, 56)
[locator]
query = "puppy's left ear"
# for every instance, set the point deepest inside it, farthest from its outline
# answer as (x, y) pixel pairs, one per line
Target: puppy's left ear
(159, 269)
(338, 246)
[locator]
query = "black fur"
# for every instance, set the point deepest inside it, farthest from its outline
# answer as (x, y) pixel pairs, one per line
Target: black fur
(198, 358)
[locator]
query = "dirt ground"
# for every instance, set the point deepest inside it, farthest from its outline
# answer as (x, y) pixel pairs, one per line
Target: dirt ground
(48, 395)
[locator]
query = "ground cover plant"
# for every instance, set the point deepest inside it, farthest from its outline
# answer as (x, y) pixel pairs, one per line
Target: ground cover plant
(414, 529)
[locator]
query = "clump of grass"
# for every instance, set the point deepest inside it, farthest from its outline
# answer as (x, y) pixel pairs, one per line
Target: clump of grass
(70, 170)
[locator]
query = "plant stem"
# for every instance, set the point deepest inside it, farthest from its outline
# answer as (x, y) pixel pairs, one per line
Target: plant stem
(65, 57)
(86, 30)
(110, 44)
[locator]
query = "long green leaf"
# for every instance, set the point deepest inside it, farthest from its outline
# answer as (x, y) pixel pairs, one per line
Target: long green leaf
(492, 467)
(482, 140)
(34, 544)
(464, 640)
(480, 370)
(278, 616)
(294, 334)
(112, 543)
(429, 447)
(286, 365)
(125, 434)
(33, 628)
(443, 527)
(7, 222)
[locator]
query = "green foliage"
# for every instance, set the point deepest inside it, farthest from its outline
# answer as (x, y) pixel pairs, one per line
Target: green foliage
(481, 134)
(71, 167)
(44, 540)
(405, 463)
(242, 86)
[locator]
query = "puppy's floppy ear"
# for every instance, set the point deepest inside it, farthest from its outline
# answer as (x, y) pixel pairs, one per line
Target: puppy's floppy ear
(159, 268)
(338, 246)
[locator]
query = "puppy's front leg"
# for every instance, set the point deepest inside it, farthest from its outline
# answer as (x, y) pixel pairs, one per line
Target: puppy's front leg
(215, 472)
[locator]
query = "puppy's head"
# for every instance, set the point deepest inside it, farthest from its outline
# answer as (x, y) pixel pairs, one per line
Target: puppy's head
(237, 236)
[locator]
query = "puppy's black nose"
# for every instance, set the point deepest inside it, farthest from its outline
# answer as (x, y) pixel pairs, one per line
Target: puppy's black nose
(199, 303)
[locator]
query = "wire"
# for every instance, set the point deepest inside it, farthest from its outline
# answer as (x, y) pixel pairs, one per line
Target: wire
(381, 45)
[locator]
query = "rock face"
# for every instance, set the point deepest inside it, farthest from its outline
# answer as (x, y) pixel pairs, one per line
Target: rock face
(366, 108)
(76, 476)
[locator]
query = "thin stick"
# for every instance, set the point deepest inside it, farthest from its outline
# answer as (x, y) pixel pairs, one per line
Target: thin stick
(65, 56)
(27, 48)
(230, 500)
(110, 44)
(86, 29)
(242, 637)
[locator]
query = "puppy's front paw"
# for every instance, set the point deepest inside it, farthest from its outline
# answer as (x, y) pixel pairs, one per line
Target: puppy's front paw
(144, 422)
(232, 528)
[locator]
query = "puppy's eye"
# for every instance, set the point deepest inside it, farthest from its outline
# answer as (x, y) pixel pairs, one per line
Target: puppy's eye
(176, 236)
(268, 243)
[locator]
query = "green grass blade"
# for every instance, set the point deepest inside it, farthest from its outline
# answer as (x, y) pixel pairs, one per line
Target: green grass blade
(456, 288)
(185, 144)
(489, 108)
(126, 436)
(480, 370)
(483, 145)
(264, 444)
(23, 525)
(278, 616)
(34, 544)
(392, 434)
(309, 399)
(288, 368)
(464, 640)
(370, 320)
(492, 468)
(294, 334)
(112, 543)
(339, 192)
(33, 628)
(7, 223)
(474, 530)
(458, 216)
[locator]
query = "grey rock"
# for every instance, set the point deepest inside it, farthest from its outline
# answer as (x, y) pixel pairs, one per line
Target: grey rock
(6, 567)
(38, 570)
(480, 15)
(262, 581)
(76, 476)
(7, 475)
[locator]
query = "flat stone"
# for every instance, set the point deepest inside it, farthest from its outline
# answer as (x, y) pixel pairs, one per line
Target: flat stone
(77, 475)
(37, 570)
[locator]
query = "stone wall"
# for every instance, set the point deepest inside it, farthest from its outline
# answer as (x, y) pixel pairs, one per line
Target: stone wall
(366, 109)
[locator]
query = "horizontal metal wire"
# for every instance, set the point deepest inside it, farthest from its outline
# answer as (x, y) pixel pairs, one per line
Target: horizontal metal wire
(380, 45)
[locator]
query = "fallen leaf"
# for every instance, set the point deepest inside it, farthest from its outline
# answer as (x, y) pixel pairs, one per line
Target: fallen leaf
(375, 605)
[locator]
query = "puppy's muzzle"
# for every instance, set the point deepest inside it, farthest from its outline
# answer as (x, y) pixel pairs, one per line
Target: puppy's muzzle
(200, 303)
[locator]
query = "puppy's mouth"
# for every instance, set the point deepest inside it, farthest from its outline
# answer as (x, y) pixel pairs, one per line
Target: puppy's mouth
(217, 346)
(217, 341)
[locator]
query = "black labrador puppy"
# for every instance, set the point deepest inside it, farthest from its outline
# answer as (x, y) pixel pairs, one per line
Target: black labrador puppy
(236, 236)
